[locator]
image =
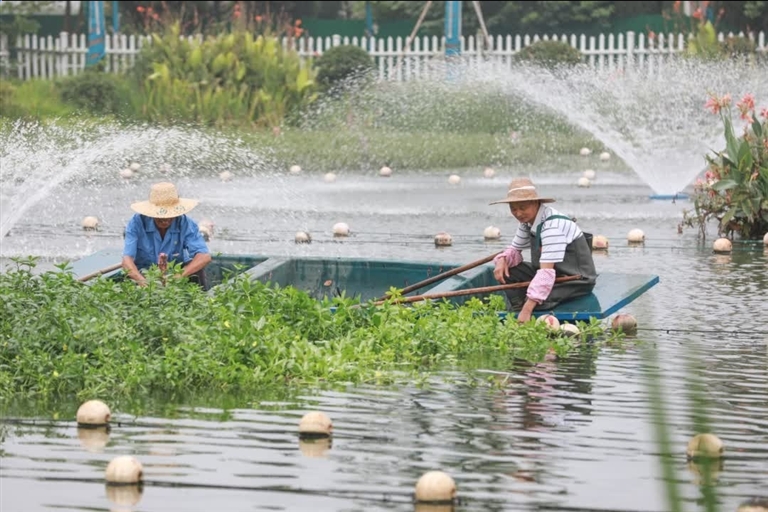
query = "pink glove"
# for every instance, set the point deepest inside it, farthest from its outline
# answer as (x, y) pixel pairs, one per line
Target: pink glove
(512, 256)
(541, 285)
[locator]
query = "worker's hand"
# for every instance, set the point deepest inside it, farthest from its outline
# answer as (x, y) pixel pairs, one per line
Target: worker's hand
(501, 271)
(162, 262)
(526, 312)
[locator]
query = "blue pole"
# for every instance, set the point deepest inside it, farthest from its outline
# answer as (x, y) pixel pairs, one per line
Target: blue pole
(452, 28)
(115, 17)
(95, 33)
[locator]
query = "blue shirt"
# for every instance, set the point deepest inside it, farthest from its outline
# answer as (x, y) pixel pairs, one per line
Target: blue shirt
(181, 243)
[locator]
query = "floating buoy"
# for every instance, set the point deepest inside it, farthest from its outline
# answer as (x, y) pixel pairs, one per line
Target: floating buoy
(454, 179)
(636, 236)
(93, 440)
(488, 172)
(435, 487)
(124, 469)
(599, 243)
(625, 323)
(707, 446)
(551, 321)
(295, 169)
(491, 233)
(126, 173)
(583, 182)
(443, 239)
(585, 152)
(722, 246)
(385, 172)
(755, 504)
(329, 177)
(93, 413)
(340, 229)
(605, 156)
(125, 495)
(302, 237)
(90, 223)
(225, 176)
(135, 166)
(589, 174)
(765, 239)
(206, 229)
(570, 330)
(315, 423)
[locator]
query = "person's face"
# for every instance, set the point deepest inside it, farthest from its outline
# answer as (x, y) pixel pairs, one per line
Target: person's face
(163, 224)
(525, 212)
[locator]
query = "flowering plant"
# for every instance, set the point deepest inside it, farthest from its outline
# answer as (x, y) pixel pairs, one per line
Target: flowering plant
(735, 186)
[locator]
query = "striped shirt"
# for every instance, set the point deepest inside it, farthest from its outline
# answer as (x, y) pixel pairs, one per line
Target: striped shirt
(556, 234)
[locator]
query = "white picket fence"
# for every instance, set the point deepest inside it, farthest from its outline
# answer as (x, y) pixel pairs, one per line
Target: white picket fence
(48, 57)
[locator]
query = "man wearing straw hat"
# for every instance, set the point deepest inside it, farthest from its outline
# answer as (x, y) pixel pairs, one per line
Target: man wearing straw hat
(161, 232)
(558, 248)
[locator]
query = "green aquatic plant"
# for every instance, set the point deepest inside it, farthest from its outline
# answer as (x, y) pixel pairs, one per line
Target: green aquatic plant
(59, 336)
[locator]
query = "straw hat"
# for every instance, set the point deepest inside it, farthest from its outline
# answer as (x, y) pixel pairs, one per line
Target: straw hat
(164, 203)
(521, 190)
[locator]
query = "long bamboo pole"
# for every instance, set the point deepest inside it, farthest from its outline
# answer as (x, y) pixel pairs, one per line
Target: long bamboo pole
(473, 291)
(438, 277)
(100, 272)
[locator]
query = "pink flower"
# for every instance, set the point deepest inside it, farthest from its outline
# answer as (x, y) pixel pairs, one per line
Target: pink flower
(764, 113)
(713, 105)
(747, 102)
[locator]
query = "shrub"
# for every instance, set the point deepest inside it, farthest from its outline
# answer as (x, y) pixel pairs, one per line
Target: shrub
(94, 91)
(735, 186)
(342, 63)
(550, 53)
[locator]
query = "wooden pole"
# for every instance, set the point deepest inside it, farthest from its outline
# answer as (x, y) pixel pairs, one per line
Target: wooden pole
(100, 272)
(438, 277)
(473, 291)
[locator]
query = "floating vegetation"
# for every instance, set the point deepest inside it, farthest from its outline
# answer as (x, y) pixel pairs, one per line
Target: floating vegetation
(111, 338)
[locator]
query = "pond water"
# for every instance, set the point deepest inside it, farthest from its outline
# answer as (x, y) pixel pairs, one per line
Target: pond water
(575, 434)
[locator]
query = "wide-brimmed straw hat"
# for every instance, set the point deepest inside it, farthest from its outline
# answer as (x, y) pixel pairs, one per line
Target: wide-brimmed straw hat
(164, 203)
(521, 190)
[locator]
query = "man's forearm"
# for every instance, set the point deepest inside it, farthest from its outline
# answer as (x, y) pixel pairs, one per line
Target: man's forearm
(196, 264)
(129, 266)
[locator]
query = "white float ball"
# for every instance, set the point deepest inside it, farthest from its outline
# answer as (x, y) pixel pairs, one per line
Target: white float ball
(302, 237)
(754, 505)
(491, 233)
(454, 179)
(605, 156)
(443, 239)
(90, 223)
(435, 487)
(329, 177)
(340, 229)
(599, 243)
(589, 174)
(206, 233)
(704, 446)
(126, 173)
(385, 172)
(636, 236)
(93, 413)
(489, 172)
(551, 321)
(135, 166)
(225, 176)
(625, 323)
(124, 469)
(765, 239)
(570, 330)
(585, 152)
(295, 169)
(165, 168)
(315, 423)
(722, 246)
(583, 182)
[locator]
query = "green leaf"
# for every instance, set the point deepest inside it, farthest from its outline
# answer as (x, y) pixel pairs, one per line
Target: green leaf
(757, 128)
(724, 185)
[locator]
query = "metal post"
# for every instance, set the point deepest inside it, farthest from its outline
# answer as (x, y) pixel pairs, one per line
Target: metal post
(369, 19)
(95, 33)
(115, 17)
(452, 28)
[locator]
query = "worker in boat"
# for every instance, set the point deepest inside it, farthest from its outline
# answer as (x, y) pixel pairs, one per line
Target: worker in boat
(558, 248)
(160, 232)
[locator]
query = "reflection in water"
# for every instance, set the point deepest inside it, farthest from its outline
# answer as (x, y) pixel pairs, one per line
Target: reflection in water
(124, 496)
(317, 447)
(93, 439)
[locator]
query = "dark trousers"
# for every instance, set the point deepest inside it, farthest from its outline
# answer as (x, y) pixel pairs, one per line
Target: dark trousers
(561, 292)
(201, 278)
